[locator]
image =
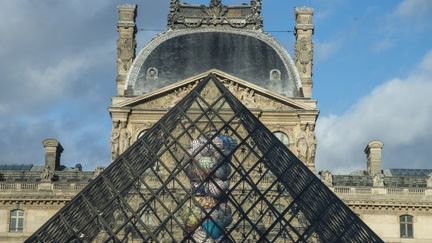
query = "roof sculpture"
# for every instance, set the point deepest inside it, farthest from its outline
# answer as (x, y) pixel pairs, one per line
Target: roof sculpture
(208, 171)
(183, 16)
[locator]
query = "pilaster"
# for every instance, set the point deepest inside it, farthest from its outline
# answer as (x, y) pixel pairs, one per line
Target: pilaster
(126, 43)
(304, 31)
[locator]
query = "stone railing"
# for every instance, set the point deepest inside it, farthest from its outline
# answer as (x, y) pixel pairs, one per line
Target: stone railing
(354, 192)
(40, 186)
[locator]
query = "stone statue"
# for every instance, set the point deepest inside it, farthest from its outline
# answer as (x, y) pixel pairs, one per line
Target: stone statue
(255, 17)
(125, 136)
(302, 143)
(98, 171)
(312, 143)
(429, 181)
(326, 177)
(125, 52)
(378, 180)
(47, 174)
(115, 139)
(215, 3)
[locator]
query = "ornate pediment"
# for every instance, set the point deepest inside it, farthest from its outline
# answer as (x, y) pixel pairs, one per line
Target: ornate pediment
(253, 96)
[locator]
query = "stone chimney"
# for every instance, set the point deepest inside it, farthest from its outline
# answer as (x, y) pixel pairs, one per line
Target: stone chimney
(303, 32)
(126, 43)
(373, 153)
(53, 150)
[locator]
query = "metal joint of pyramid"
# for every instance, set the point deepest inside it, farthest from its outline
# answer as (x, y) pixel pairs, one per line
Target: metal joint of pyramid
(207, 171)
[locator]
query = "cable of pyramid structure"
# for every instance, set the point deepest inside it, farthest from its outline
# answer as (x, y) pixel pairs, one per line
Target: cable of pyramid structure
(201, 172)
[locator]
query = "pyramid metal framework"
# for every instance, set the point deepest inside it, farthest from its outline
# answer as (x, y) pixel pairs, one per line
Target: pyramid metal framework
(168, 188)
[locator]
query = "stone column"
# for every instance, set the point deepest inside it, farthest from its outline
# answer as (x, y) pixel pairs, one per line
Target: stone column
(126, 43)
(373, 153)
(303, 32)
(53, 150)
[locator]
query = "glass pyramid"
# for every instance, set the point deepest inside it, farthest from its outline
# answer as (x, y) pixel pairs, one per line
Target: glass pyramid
(208, 171)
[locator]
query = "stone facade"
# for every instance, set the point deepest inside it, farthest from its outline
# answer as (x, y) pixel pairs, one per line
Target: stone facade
(382, 196)
(379, 197)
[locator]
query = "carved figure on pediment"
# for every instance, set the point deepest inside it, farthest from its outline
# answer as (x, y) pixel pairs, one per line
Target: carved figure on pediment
(115, 139)
(232, 86)
(429, 181)
(125, 52)
(312, 143)
(378, 180)
(247, 96)
(326, 177)
(125, 136)
(47, 174)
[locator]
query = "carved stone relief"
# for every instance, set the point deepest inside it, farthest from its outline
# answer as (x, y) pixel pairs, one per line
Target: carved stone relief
(247, 95)
(251, 99)
(305, 143)
(125, 137)
(115, 140)
(303, 54)
(47, 174)
(169, 100)
(125, 53)
(378, 180)
(215, 14)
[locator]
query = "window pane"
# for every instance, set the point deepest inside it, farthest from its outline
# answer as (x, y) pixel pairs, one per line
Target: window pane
(410, 231)
(282, 137)
(402, 231)
(14, 213)
(409, 219)
(20, 213)
(13, 224)
(20, 223)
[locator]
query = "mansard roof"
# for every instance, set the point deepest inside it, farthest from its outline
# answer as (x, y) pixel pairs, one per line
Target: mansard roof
(228, 38)
(206, 176)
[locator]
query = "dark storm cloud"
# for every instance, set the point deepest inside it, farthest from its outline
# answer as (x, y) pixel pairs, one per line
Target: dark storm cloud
(57, 60)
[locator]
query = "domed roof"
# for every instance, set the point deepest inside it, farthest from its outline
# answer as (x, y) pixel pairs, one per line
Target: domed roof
(247, 54)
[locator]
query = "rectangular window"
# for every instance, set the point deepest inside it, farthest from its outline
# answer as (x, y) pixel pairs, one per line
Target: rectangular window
(406, 226)
(16, 222)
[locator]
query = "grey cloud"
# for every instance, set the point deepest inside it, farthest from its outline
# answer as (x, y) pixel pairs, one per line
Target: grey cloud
(398, 112)
(57, 60)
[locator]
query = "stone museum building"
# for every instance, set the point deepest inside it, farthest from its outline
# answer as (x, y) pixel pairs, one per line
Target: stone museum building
(212, 80)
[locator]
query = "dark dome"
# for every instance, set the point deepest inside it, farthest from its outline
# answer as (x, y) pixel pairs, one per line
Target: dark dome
(187, 55)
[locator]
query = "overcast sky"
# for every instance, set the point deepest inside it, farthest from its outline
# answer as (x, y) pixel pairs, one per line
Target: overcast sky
(372, 76)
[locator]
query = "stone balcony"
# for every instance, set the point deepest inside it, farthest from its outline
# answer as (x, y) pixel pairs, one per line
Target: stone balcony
(384, 194)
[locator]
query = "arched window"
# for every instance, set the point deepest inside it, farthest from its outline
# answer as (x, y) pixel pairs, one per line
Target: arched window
(282, 137)
(141, 133)
(406, 226)
(16, 221)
